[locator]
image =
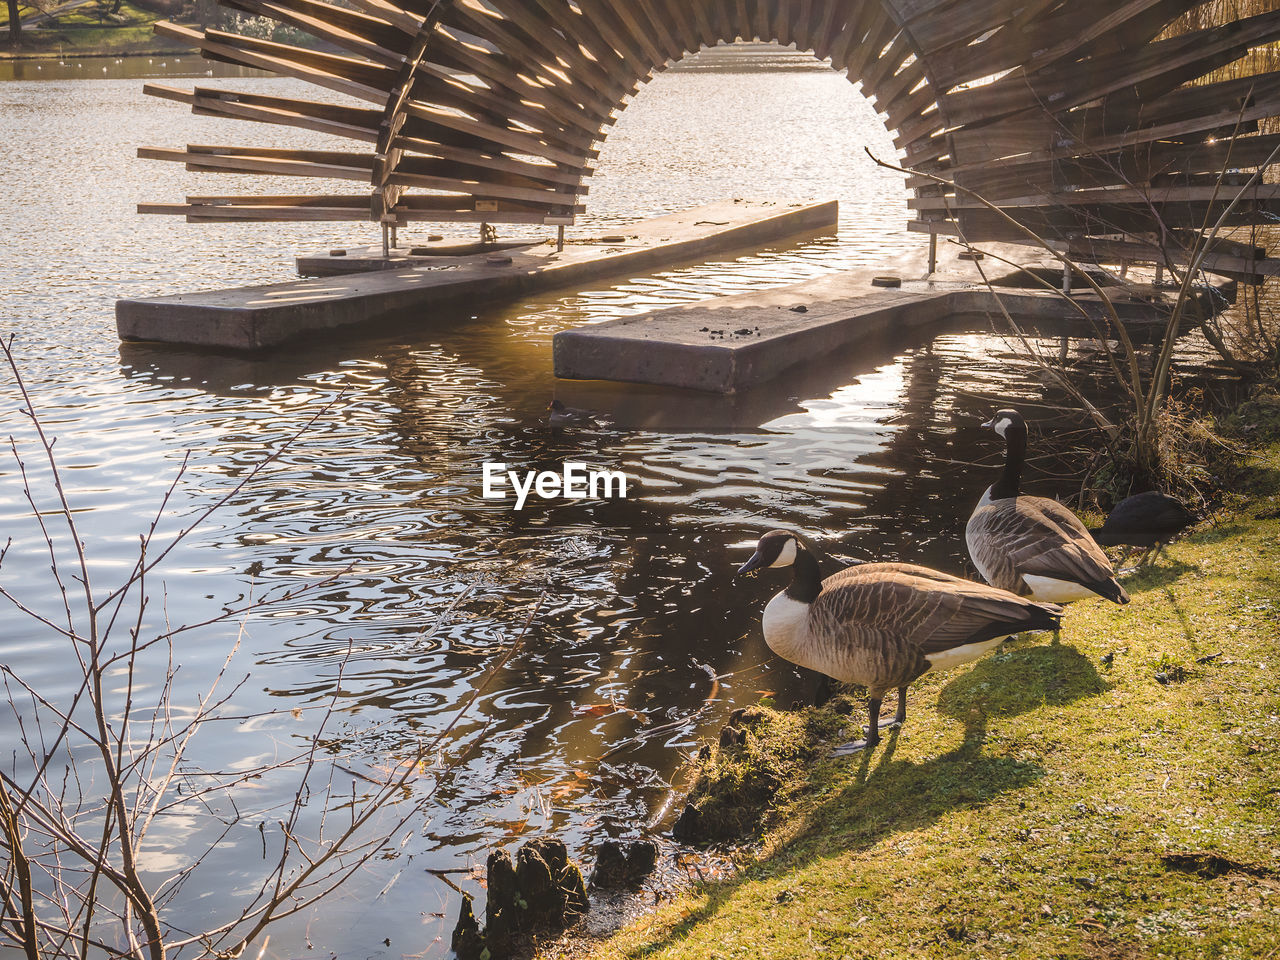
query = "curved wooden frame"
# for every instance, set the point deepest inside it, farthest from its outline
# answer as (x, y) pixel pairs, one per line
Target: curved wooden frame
(1071, 116)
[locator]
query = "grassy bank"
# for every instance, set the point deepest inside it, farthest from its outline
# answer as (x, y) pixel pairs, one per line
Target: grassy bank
(1113, 796)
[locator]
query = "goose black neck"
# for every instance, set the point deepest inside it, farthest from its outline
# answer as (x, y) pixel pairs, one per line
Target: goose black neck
(1010, 480)
(806, 582)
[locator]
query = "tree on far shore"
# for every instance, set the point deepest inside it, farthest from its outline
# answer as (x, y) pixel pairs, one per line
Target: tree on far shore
(15, 23)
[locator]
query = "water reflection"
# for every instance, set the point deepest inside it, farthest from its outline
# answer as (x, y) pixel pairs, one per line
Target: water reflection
(154, 66)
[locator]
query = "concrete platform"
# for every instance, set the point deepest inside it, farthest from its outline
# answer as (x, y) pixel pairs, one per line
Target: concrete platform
(260, 317)
(336, 262)
(733, 343)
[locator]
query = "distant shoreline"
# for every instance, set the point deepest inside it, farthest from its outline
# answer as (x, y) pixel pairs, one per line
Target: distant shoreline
(90, 53)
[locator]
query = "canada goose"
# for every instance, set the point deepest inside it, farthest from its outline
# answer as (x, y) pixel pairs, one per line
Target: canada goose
(559, 415)
(884, 624)
(1033, 546)
(1148, 520)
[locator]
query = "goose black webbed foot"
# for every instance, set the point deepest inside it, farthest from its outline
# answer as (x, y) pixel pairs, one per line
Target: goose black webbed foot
(871, 733)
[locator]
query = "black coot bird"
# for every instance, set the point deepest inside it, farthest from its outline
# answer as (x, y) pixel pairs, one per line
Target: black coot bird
(1148, 520)
(558, 415)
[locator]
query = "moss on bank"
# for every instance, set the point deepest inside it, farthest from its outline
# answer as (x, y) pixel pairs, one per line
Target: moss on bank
(1116, 795)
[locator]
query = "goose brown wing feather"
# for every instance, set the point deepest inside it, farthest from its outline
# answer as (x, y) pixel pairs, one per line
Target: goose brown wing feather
(921, 608)
(1041, 537)
(1075, 554)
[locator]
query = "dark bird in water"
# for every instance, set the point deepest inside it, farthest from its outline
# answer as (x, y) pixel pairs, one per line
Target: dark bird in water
(1147, 520)
(1033, 546)
(884, 624)
(559, 415)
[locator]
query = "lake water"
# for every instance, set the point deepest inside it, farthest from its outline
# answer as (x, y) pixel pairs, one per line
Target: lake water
(379, 487)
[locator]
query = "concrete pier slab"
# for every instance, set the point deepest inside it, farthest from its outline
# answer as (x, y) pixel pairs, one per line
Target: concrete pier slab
(259, 317)
(732, 343)
(334, 262)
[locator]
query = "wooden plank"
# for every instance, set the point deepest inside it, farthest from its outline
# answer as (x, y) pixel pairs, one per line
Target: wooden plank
(628, 19)
(436, 84)
(853, 30)
(722, 19)
(1075, 84)
(357, 70)
(348, 30)
(912, 106)
(223, 106)
(741, 20)
(707, 33)
(1114, 251)
(784, 13)
(1136, 166)
(1068, 147)
(877, 71)
(608, 36)
(1122, 219)
(762, 25)
(512, 39)
(1084, 26)
(465, 173)
(534, 22)
(405, 176)
(500, 138)
(398, 17)
(285, 200)
(880, 30)
(683, 28)
(201, 213)
(273, 64)
(1108, 196)
(655, 25)
(254, 165)
(551, 175)
(825, 28)
(558, 119)
(959, 22)
(895, 89)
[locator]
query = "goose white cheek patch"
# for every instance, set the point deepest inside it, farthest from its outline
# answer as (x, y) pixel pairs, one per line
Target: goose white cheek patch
(787, 556)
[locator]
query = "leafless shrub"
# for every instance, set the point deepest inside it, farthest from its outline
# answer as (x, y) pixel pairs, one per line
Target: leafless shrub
(96, 774)
(1141, 445)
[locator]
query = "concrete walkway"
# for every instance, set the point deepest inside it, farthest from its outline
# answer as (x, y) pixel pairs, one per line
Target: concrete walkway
(732, 343)
(259, 317)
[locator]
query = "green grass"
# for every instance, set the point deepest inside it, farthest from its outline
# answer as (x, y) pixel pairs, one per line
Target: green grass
(80, 32)
(1048, 801)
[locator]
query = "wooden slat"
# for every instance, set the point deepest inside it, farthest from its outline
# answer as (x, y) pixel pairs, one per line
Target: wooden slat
(405, 177)
(500, 138)
(213, 163)
(512, 39)
(561, 120)
(501, 101)
(551, 175)
(348, 30)
(1072, 85)
(880, 30)
(1112, 251)
(278, 65)
(613, 38)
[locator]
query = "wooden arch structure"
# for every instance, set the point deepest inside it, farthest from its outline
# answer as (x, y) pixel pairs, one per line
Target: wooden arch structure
(1071, 116)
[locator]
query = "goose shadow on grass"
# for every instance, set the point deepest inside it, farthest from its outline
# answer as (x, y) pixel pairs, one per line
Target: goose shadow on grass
(1155, 575)
(889, 796)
